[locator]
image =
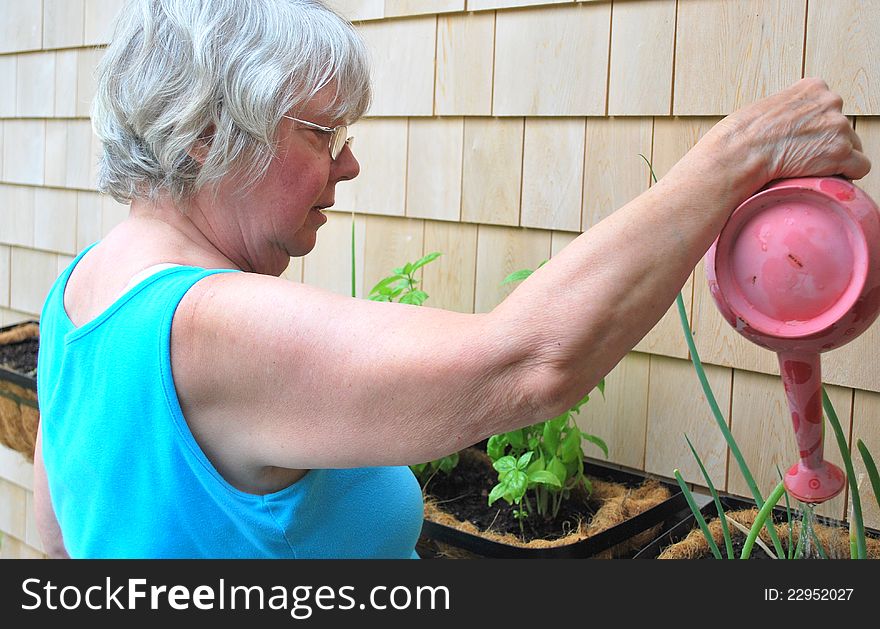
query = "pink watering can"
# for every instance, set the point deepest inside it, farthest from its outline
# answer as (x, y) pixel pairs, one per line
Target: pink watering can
(796, 269)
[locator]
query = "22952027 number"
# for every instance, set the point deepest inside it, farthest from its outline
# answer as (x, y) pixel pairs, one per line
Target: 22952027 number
(819, 594)
(808, 594)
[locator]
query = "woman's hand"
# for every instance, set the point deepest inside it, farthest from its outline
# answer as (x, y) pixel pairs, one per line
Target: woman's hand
(798, 132)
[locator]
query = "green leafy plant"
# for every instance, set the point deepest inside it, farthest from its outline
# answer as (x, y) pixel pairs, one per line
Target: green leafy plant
(545, 460)
(540, 465)
(402, 286)
(426, 471)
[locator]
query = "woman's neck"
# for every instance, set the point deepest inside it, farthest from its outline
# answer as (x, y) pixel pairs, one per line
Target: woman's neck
(188, 232)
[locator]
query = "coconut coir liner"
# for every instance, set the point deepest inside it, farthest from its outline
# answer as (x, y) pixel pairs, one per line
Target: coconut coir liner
(835, 541)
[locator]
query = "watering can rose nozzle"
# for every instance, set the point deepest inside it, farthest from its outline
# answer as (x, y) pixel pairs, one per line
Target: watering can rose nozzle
(796, 270)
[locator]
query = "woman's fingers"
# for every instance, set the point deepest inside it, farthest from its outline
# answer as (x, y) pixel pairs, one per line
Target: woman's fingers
(856, 141)
(798, 132)
(814, 135)
(856, 165)
(846, 152)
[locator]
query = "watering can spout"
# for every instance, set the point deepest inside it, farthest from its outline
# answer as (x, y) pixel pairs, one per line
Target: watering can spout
(812, 479)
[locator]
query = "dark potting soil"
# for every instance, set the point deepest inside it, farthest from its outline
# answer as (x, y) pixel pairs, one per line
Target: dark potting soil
(465, 495)
(20, 357)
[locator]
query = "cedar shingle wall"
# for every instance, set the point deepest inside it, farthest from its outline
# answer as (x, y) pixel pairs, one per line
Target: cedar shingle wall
(500, 129)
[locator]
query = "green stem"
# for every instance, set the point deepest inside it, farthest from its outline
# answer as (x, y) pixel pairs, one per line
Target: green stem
(853, 545)
(698, 515)
(788, 519)
(557, 503)
(850, 473)
(802, 539)
(719, 418)
(763, 514)
(819, 548)
(871, 467)
(353, 283)
(728, 541)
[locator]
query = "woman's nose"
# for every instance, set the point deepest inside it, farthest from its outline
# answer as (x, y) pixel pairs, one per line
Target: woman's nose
(346, 165)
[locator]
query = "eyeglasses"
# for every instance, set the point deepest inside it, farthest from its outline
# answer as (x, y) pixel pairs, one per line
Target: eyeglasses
(338, 135)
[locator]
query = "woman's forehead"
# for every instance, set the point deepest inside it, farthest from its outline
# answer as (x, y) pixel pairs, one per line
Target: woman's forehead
(323, 106)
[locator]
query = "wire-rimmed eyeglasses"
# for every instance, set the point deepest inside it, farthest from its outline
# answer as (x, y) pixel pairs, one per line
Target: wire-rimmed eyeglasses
(338, 135)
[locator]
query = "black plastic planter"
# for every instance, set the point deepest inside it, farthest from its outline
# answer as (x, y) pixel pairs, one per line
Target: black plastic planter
(662, 514)
(19, 414)
(681, 528)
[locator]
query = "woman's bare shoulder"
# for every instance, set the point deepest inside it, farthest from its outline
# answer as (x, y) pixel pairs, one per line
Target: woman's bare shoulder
(278, 370)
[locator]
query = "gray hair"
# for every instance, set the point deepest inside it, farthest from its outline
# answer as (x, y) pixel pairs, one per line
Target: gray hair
(222, 73)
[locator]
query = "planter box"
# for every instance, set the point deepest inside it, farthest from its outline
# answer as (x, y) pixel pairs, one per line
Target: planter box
(19, 413)
(688, 526)
(647, 523)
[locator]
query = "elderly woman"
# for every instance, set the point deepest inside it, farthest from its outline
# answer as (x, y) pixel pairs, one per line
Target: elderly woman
(195, 405)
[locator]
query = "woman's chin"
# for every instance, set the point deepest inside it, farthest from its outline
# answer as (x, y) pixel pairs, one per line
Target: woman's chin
(304, 243)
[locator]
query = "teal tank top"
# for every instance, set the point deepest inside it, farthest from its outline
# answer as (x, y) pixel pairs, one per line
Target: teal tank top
(128, 480)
